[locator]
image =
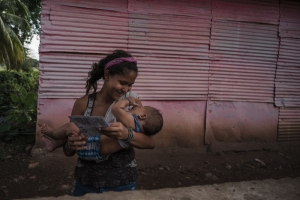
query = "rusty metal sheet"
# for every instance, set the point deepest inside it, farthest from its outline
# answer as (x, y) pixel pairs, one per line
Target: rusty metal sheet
(163, 53)
(289, 125)
(178, 7)
(114, 5)
(289, 19)
(243, 62)
(172, 78)
(265, 11)
(173, 54)
(64, 75)
(73, 38)
(169, 36)
(287, 82)
(80, 30)
(240, 122)
(287, 86)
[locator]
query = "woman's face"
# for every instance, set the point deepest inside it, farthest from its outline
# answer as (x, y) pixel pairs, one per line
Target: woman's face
(118, 85)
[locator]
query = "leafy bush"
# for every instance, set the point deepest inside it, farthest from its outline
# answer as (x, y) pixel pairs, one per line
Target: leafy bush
(18, 103)
(10, 81)
(27, 65)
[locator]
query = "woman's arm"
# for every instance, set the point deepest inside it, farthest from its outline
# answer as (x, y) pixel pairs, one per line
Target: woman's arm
(119, 132)
(74, 142)
(142, 141)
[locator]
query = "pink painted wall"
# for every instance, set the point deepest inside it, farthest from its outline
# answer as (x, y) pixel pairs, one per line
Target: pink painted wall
(241, 122)
(189, 123)
(222, 71)
(54, 113)
(184, 121)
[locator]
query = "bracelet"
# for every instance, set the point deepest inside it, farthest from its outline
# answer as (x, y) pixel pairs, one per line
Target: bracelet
(67, 148)
(130, 135)
(129, 101)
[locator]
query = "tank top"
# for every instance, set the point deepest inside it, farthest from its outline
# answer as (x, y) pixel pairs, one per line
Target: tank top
(118, 169)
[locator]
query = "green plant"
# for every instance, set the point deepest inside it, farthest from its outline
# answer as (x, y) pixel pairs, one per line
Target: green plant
(20, 114)
(14, 17)
(10, 80)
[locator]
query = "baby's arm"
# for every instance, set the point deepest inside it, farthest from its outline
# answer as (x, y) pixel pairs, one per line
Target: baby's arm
(109, 145)
(64, 131)
(122, 115)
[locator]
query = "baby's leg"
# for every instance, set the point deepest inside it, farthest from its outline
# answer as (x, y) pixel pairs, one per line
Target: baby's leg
(46, 130)
(98, 148)
(52, 144)
(49, 137)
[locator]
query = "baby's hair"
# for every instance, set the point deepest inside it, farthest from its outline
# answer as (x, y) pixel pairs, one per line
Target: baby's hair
(97, 71)
(154, 121)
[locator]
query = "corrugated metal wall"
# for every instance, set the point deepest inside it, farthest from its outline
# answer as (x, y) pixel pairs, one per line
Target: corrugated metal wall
(244, 47)
(73, 37)
(289, 124)
(244, 61)
(243, 50)
(208, 50)
(172, 43)
(170, 59)
(287, 83)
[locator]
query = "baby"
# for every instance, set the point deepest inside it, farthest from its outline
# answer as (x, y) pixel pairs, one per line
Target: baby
(143, 119)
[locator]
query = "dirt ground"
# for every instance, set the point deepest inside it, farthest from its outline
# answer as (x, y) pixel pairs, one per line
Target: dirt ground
(24, 176)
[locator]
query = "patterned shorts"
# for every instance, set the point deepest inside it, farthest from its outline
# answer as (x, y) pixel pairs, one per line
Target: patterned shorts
(92, 150)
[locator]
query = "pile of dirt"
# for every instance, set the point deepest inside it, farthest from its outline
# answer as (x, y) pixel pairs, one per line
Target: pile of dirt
(24, 176)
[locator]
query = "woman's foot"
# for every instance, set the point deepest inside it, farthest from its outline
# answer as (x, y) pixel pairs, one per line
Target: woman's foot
(47, 136)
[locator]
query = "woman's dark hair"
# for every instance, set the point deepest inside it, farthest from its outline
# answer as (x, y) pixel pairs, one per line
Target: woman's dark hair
(97, 71)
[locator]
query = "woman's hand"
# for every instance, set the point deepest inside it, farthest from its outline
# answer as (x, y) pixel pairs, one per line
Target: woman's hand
(116, 130)
(76, 142)
(134, 101)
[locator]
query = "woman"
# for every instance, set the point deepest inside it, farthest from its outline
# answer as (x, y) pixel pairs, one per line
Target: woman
(118, 172)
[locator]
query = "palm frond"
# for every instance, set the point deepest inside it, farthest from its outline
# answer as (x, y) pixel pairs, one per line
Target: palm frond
(5, 34)
(14, 16)
(22, 8)
(16, 20)
(6, 58)
(17, 44)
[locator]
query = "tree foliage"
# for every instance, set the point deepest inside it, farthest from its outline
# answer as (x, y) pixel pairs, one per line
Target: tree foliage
(27, 65)
(19, 20)
(34, 7)
(14, 15)
(18, 102)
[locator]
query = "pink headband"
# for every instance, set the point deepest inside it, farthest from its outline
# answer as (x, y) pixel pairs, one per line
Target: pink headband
(119, 60)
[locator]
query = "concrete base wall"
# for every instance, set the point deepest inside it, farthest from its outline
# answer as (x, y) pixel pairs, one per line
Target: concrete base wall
(184, 123)
(241, 122)
(189, 123)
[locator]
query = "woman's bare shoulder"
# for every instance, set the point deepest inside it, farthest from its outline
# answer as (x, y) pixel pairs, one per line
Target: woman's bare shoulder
(82, 99)
(80, 105)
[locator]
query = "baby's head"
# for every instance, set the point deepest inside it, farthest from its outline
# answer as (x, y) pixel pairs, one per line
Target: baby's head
(154, 121)
(149, 118)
